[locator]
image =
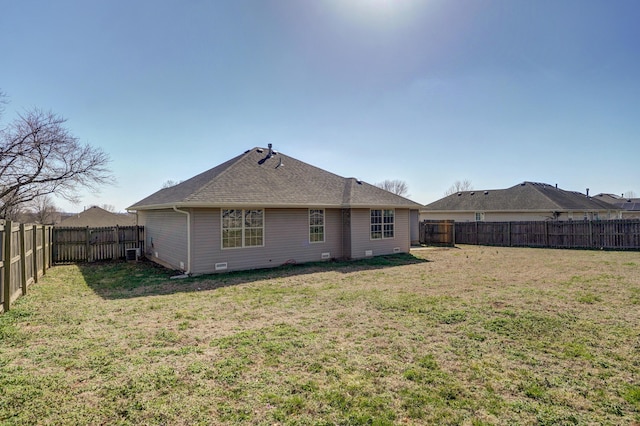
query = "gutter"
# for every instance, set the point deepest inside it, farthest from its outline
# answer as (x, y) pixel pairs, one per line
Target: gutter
(188, 271)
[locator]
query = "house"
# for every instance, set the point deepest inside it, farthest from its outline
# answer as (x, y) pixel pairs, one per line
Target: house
(629, 207)
(527, 201)
(264, 209)
(97, 217)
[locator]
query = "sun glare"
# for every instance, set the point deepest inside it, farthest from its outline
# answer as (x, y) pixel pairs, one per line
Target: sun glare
(377, 13)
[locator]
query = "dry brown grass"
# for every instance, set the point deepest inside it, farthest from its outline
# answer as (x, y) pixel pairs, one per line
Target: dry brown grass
(471, 335)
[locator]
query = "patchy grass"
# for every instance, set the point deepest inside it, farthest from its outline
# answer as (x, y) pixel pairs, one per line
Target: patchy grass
(471, 335)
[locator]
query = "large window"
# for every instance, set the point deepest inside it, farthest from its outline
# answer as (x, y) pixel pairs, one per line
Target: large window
(242, 228)
(382, 224)
(316, 225)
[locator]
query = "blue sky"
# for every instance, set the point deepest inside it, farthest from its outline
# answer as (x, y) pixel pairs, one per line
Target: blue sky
(426, 91)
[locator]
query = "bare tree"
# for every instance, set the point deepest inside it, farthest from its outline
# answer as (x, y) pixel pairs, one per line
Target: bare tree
(397, 186)
(108, 207)
(169, 183)
(39, 156)
(629, 194)
(43, 210)
(459, 186)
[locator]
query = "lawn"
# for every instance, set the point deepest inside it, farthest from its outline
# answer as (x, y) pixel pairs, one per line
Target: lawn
(469, 335)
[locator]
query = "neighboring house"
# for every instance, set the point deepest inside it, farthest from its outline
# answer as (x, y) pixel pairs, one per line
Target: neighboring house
(629, 207)
(263, 209)
(97, 217)
(527, 201)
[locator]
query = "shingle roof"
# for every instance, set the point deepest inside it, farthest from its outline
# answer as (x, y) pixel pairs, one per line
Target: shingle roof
(526, 196)
(627, 204)
(98, 217)
(255, 179)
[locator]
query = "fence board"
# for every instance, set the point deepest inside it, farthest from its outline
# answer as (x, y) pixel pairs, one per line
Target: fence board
(621, 234)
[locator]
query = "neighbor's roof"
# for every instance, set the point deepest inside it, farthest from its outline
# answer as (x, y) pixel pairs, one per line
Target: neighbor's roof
(98, 217)
(526, 196)
(627, 204)
(257, 179)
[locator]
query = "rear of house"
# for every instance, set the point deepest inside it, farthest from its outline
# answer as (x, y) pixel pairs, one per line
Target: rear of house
(264, 209)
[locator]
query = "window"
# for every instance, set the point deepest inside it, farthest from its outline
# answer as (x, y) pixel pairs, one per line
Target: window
(479, 216)
(242, 228)
(316, 225)
(382, 224)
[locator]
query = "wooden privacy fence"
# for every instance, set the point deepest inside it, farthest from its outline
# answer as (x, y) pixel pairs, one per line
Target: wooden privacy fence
(27, 251)
(72, 245)
(605, 234)
(25, 255)
(437, 232)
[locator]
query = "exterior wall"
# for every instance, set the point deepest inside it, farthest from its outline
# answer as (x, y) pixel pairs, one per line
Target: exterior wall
(286, 240)
(165, 237)
(414, 226)
(517, 216)
(630, 214)
(361, 242)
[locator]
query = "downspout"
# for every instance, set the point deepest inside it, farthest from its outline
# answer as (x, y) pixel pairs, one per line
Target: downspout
(188, 272)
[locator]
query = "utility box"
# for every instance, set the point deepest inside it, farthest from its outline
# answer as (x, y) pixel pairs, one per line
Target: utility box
(132, 254)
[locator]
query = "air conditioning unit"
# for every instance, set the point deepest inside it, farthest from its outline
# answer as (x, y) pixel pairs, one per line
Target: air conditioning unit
(132, 254)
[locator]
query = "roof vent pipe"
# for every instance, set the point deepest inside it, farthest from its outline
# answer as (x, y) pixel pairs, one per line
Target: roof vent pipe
(587, 192)
(270, 150)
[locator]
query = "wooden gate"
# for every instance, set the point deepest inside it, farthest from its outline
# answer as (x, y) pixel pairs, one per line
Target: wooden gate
(437, 232)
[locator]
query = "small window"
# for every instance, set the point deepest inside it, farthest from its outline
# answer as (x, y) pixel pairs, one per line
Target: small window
(316, 225)
(382, 224)
(242, 228)
(479, 216)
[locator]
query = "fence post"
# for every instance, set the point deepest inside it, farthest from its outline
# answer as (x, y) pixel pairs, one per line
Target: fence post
(88, 244)
(8, 226)
(35, 253)
(116, 244)
(46, 257)
(23, 259)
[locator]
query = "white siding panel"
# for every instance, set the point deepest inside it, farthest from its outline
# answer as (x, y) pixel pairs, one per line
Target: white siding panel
(166, 236)
(286, 238)
(361, 241)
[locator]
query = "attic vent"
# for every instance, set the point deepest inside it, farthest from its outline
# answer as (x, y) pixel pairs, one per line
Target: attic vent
(472, 193)
(260, 150)
(486, 192)
(459, 194)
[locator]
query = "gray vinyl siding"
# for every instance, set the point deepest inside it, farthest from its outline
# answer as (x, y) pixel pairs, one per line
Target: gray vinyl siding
(286, 240)
(361, 240)
(166, 236)
(414, 226)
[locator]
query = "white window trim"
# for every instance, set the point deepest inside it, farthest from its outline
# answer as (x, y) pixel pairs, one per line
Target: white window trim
(323, 226)
(382, 237)
(243, 246)
(479, 214)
